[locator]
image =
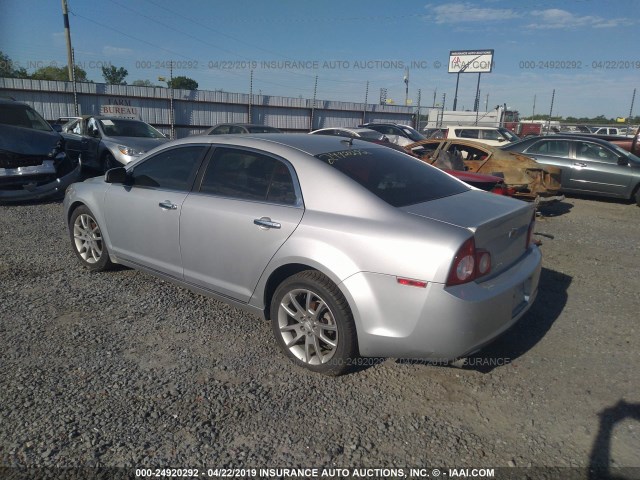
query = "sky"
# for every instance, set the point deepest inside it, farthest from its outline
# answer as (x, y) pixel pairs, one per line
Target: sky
(585, 50)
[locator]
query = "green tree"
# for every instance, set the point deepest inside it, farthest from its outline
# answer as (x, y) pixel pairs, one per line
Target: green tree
(59, 73)
(142, 83)
(9, 69)
(184, 83)
(114, 76)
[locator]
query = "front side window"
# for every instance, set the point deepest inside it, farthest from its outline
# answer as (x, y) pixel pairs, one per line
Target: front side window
(171, 169)
(594, 152)
(247, 175)
(492, 135)
(394, 177)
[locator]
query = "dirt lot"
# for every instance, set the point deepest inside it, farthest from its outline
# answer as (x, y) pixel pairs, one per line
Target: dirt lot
(121, 369)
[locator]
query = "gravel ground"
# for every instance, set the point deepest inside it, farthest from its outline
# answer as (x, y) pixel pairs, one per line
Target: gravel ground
(122, 369)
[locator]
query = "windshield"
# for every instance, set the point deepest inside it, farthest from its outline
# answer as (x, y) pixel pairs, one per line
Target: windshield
(413, 134)
(371, 135)
(622, 152)
(19, 115)
(115, 127)
(512, 137)
(395, 177)
(263, 130)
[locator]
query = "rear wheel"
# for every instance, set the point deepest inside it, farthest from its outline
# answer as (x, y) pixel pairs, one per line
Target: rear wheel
(638, 195)
(87, 242)
(313, 324)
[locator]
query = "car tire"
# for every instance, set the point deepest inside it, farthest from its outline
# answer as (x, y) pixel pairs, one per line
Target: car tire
(638, 195)
(109, 162)
(87, 242)
(313, 324)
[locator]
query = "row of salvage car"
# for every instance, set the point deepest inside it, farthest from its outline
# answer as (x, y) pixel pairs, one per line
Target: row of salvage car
(349, 247)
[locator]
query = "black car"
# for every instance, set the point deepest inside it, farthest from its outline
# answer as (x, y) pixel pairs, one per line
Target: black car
(33, 162)
(230, 128)
(589, 165)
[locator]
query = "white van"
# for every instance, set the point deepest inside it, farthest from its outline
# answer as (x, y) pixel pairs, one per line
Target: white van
(496, 136)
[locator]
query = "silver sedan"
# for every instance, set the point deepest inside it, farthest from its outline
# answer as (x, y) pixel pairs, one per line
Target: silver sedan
(348, 248)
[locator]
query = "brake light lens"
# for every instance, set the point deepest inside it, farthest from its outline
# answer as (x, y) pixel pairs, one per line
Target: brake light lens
(468, 264)
(530, 231)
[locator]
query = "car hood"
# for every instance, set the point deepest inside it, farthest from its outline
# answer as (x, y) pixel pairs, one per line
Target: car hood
(27, 141)
(139, 143)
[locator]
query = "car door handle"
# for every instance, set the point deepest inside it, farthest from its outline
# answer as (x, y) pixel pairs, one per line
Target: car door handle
(580, 164)
(266, 222)
(167, 205)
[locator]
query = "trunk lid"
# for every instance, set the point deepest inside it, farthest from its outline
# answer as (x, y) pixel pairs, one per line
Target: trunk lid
(499, 224)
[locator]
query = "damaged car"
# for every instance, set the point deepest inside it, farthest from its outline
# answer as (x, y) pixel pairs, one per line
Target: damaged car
(103, 142)
(33, 162)
(528, 179)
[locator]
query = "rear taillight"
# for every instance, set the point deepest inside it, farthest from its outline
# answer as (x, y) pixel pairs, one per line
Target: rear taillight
(469, 264)
(502, 189)
(532, 225)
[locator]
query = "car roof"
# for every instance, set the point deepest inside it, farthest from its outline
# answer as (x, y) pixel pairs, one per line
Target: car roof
(310, 144)
(243, 125)
(564, 136)
(349, 129)
(474, 127)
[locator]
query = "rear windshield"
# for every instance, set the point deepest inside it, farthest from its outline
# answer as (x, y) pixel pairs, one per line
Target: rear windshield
(395, 177)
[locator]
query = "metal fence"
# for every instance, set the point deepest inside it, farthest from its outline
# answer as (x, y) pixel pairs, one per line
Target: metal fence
(196, 110)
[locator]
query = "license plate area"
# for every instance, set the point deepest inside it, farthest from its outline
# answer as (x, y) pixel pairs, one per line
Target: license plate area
(521, 295)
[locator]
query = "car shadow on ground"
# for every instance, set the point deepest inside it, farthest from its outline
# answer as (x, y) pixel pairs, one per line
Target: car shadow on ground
(554, 209)
(532, 327)
(524, 335)
(600, 458)
(598, 198)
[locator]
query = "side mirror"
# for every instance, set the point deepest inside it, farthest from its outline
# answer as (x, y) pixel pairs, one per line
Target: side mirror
(93, 132)
(623, 161)
(117, 175)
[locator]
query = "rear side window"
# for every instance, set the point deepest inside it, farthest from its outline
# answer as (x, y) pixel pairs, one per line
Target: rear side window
(396, 178)
(554, 148)
(466, 133)
(248, 175)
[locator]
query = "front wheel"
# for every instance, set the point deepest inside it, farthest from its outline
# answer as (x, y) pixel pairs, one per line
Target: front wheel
(313, 324)
(87, 242)
(638, 196)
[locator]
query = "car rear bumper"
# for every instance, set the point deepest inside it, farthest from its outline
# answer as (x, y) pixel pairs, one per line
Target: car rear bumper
(439, 323)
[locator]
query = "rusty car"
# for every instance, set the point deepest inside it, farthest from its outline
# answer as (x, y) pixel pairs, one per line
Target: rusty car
(528, 179)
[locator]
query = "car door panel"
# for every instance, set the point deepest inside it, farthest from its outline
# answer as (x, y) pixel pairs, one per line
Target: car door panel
(224, 246)
(246, 206)
(595, 169)
(143, 218)
(144, 231)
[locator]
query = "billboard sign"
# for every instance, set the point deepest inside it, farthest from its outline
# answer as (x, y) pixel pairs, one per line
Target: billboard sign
(470, 61)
